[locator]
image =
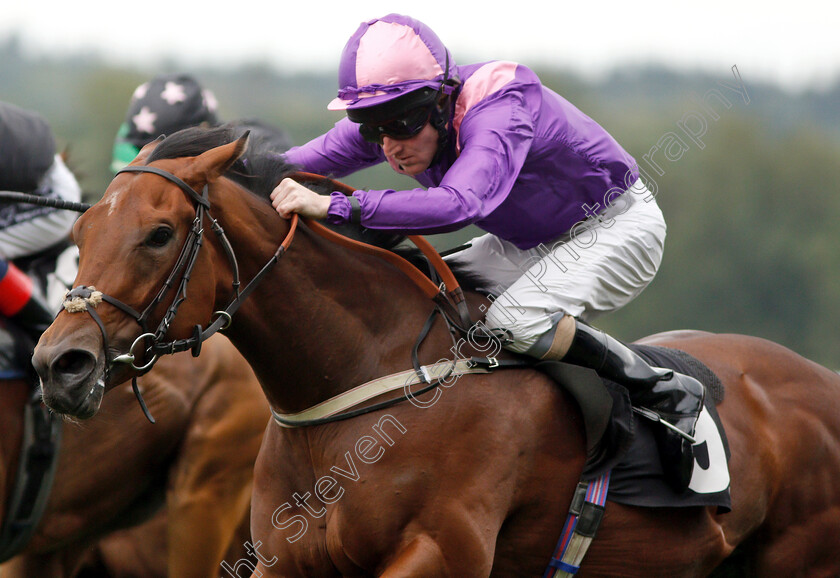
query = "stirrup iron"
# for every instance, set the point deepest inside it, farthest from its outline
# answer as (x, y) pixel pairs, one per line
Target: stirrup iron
(653, 416)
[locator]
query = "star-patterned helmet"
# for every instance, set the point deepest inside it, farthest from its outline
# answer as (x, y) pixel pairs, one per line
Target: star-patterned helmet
(164, 105)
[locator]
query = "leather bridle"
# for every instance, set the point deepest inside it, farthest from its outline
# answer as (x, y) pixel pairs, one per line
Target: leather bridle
(154, 341)
(451, 299)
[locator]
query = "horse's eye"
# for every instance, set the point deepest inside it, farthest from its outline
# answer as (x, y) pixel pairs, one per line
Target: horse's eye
(159, 237)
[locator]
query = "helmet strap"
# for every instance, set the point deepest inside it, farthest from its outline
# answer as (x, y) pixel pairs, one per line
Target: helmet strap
(443, 114)
(440, 118)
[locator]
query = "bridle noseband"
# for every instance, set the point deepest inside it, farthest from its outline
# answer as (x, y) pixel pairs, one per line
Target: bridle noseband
(86, 298)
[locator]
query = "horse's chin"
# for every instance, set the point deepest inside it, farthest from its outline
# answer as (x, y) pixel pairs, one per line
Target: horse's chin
(89, 406)
(82, 405)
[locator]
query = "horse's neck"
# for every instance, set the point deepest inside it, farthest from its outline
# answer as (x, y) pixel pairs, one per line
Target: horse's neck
(325, 319)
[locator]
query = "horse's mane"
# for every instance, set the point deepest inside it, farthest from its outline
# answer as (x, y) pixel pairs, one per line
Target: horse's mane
(259, 170)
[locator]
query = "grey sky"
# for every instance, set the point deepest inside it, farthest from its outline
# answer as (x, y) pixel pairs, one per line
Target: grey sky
(798, 47)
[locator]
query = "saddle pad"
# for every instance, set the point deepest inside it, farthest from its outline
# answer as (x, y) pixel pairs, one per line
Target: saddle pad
(622, 442)
(637, 479)
(680, 361)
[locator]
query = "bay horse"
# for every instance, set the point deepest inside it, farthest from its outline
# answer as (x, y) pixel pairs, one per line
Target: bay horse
(191, 472)
(473, 478)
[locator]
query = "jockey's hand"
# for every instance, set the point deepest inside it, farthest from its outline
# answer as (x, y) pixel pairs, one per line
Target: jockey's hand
(291, 197)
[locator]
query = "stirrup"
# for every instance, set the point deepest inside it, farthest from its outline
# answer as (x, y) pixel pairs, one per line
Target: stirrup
(653, 416)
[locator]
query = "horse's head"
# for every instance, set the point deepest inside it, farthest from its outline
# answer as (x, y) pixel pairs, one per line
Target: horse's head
(137, 248)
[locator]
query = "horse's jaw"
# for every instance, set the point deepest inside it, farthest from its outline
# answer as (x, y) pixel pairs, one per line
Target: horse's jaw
(72, 375)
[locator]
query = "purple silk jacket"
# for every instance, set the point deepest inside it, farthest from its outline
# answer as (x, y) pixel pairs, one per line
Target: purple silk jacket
(524, 164)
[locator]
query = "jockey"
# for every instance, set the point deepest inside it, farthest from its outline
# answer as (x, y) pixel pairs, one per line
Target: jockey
(572, 231)
(29, 165)
(170, 102)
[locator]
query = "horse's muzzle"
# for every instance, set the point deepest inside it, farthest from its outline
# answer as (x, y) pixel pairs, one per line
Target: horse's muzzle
(71, 380)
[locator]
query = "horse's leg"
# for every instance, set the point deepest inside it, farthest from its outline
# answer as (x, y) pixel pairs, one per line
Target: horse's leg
(210, 484)
(206, 504)
(421, 557)
(137, 551)
(461, 552)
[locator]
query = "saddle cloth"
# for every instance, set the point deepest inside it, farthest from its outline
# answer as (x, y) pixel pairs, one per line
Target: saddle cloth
(623, 442)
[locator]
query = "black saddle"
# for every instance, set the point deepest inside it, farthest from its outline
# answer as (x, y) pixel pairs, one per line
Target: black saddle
(620, 442)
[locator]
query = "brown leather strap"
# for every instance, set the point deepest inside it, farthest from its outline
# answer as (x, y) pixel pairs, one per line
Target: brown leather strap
(429, 288)
(452, 285)
(426, 285)
(443, 370)
(291, 234)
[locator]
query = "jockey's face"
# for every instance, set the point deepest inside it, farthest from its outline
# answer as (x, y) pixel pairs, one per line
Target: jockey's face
(413, 155)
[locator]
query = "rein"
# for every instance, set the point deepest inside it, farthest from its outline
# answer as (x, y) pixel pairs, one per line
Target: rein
(84, 298)
(435, 292)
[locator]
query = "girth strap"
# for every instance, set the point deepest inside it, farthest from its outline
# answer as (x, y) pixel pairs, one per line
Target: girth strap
(585, 515)
(325, 410)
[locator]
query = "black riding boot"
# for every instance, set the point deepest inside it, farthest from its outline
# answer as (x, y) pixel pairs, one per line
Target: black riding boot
(675, 397)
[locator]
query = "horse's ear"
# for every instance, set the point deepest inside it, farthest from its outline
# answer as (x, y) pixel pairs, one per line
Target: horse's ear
(147, 150)
(210, 165)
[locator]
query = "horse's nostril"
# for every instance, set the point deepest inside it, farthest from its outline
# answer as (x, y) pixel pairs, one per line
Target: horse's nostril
(74, 363)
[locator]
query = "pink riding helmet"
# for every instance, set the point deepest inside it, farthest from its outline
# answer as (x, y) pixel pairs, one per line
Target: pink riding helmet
(388, 57)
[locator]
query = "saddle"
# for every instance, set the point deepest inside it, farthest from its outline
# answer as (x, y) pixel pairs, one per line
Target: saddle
(619, 441)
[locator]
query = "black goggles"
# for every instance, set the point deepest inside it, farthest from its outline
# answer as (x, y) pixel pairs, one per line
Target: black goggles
(398, 128)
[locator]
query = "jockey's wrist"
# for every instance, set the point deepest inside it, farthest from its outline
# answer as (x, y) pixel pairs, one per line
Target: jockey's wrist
(343, 209)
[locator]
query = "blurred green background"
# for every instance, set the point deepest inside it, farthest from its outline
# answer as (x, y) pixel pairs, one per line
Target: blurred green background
(752, 214)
